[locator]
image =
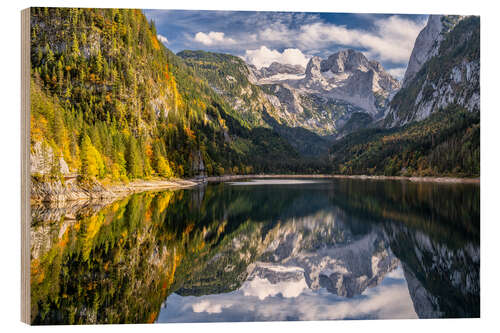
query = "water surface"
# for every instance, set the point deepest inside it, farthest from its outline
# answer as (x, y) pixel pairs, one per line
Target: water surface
(264, 249)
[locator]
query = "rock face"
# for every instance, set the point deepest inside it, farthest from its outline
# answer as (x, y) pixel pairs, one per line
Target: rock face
(70, 190)
(277, 72)
(198, 167)
(43, 160)
(428, 42)
(426, 46)
(443, 70)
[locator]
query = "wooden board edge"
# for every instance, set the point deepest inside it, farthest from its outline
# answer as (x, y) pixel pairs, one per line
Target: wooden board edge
(25, 166)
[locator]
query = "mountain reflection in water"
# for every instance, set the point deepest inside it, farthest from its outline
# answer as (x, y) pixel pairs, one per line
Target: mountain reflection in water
(307, 250)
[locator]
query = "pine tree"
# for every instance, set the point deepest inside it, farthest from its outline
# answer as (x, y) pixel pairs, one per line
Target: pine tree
(163, 168)
(75, 49)
(134, 163)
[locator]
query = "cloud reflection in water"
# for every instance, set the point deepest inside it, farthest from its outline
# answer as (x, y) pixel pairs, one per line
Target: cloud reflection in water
(389, 300)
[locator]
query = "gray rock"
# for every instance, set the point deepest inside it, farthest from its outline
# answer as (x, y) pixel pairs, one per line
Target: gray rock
(426, 46)
(43, 161)
(456, 85)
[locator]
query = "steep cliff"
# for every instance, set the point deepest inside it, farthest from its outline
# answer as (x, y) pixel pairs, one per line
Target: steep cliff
(443, 70)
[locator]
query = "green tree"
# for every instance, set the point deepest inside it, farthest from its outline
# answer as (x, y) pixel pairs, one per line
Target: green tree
(75, 49)
(92, 163)
(134, 163)
(163, 168)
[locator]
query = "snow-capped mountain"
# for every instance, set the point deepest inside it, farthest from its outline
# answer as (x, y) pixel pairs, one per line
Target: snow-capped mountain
(276, 72)
(346, 76)
(324, 96)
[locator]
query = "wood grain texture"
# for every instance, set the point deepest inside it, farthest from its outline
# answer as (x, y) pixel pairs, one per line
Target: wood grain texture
(25, 166)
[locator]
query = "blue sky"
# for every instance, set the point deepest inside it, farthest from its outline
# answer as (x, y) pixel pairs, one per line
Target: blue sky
(290, 37)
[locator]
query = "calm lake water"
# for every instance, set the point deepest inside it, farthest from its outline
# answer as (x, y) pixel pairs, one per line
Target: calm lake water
(260, 250)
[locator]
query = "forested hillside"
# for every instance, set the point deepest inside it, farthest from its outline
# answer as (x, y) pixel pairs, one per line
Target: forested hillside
(114, 103)
(228, 76)
(445, 144)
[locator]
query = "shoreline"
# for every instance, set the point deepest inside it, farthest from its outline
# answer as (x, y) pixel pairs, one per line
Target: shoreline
(451, 180)
(97, 191)
(151, 185)
(55, 193)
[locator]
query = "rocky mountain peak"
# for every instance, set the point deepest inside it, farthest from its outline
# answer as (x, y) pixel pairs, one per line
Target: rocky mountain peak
(346, 80)
(276, 71)
(277, 67)
(452, 77)
(428, 42)
(313, 68)
(349, 61)
(348, 75)
(426, 46)
(377, 66)
(345, 60)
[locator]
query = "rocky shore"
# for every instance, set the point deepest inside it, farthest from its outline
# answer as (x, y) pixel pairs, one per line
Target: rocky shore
(73, 190)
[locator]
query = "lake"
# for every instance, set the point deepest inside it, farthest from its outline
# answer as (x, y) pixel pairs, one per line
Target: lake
(259, 250)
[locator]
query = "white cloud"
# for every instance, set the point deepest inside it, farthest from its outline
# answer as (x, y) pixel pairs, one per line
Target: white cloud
(208, 307)
(262, 288)
(398, 73)
(162, 39)
(391, 40)
(213, 38)
(274, 32)
(264, 57)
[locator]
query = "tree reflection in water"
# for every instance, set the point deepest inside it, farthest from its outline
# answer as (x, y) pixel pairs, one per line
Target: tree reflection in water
(118, 263)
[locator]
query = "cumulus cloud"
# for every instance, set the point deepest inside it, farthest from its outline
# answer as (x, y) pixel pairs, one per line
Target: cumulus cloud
(398, 73)
(208, 307)
(264, 57)
(392, 38)
(162, 39)
(213, 38)
(262, 288)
